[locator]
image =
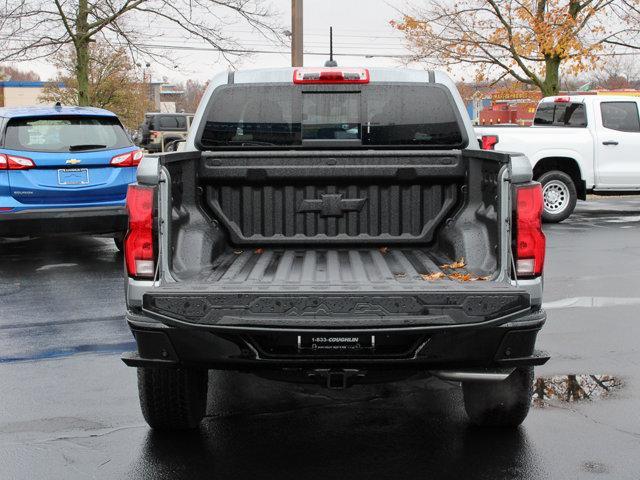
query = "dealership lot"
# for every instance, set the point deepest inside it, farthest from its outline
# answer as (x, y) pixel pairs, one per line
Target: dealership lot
(69, 407)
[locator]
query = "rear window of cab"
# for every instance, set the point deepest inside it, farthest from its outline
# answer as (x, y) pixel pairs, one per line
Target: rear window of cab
(291, 116)
(65, 134)
(561, 114)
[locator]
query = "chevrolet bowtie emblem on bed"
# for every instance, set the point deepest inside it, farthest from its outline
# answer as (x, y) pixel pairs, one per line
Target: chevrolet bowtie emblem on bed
(332, 205)
(73, 161)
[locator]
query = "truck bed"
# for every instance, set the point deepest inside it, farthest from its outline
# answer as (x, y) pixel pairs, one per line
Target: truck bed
(329, 219)
(395, 269)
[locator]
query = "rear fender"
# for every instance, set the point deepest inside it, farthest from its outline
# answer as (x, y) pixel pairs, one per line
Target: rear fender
(584, 166)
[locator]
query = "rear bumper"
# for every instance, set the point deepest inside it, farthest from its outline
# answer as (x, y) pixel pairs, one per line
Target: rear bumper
(492, 346)
(95, 220)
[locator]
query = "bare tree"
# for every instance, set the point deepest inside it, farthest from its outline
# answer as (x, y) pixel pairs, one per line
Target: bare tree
(193, 92)
(627, 12)
(11, 73)
(32, 29)
(616, 73)
(113, 83)
(528, 40)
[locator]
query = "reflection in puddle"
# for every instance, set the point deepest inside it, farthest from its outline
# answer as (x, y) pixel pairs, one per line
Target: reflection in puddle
(589, 302)
(573, 388)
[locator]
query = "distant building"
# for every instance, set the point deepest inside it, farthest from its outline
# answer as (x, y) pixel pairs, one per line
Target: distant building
(516, 107)
(476, 104)
(20, 94)
(164, 96)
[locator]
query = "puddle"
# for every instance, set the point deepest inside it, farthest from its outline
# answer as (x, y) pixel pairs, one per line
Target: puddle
(70, 351)
(57, 265)
(573, 388)
(591, 302)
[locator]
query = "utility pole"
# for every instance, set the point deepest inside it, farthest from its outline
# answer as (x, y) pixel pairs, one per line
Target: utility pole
(297, 59)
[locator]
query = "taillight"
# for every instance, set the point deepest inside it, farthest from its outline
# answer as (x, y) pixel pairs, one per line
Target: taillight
(489, 142)
(12, 162)
(139, 250)
(136, 157)
(530, 240)
(331, 75)
(129, 159)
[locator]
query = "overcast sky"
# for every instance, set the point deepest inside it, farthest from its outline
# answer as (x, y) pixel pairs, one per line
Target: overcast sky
(360, 27)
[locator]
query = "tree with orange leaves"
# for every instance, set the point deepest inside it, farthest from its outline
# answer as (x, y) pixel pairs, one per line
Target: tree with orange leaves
(531, 41)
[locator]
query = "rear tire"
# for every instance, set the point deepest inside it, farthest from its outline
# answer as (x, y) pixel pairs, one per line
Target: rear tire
(559, 194)
(169, 145)
(172, 399)
(500, 404)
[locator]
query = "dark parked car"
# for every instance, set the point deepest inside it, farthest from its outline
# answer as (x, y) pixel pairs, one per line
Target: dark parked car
(160, 130)
(334, 226)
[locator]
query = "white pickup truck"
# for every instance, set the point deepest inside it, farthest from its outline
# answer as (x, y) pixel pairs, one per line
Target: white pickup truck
(578, 144)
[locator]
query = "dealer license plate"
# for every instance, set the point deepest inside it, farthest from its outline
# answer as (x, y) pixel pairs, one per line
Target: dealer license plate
(73, 176)
(319, 343)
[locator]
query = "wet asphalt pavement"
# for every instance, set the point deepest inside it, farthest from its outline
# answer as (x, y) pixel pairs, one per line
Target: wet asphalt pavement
(69, 407)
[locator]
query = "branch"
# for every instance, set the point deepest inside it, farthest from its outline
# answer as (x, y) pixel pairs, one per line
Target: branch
(63, 17)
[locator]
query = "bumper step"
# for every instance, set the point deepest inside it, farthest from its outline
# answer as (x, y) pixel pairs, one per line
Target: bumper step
(468, 304)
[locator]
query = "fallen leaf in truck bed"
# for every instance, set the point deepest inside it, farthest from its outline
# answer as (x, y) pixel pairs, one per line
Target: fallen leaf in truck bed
(433, 276)
(384, 250)
(259, 251)
(455, 265)
(237, 252)
(461, 277)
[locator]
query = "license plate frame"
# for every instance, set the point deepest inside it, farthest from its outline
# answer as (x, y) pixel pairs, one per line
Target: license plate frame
(73, 176)
(336, 343)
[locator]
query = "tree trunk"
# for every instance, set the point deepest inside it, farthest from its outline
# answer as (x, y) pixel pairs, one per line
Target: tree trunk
(551, 84)
(82, 72)
(81, 44)
(540, 389)
(574, 390)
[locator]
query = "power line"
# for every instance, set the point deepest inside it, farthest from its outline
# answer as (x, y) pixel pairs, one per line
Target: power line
(233, 51)
(238, 51)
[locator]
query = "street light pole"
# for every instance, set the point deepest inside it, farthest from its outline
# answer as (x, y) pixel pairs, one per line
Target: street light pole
(297, 59)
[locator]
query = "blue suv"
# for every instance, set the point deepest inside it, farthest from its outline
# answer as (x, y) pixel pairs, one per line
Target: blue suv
(64, 170)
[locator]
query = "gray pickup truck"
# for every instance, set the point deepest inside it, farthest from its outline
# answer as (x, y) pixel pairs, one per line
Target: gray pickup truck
(334, 226)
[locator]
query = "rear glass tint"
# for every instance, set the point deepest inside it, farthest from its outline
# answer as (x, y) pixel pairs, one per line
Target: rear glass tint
(561, 115)
(621, 116)
(331, 116)
(65, 134)
(372, 115)
(171, 122)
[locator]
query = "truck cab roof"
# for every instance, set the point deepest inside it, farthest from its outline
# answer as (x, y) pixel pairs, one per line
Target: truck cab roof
(376, 74)
(589, 98)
